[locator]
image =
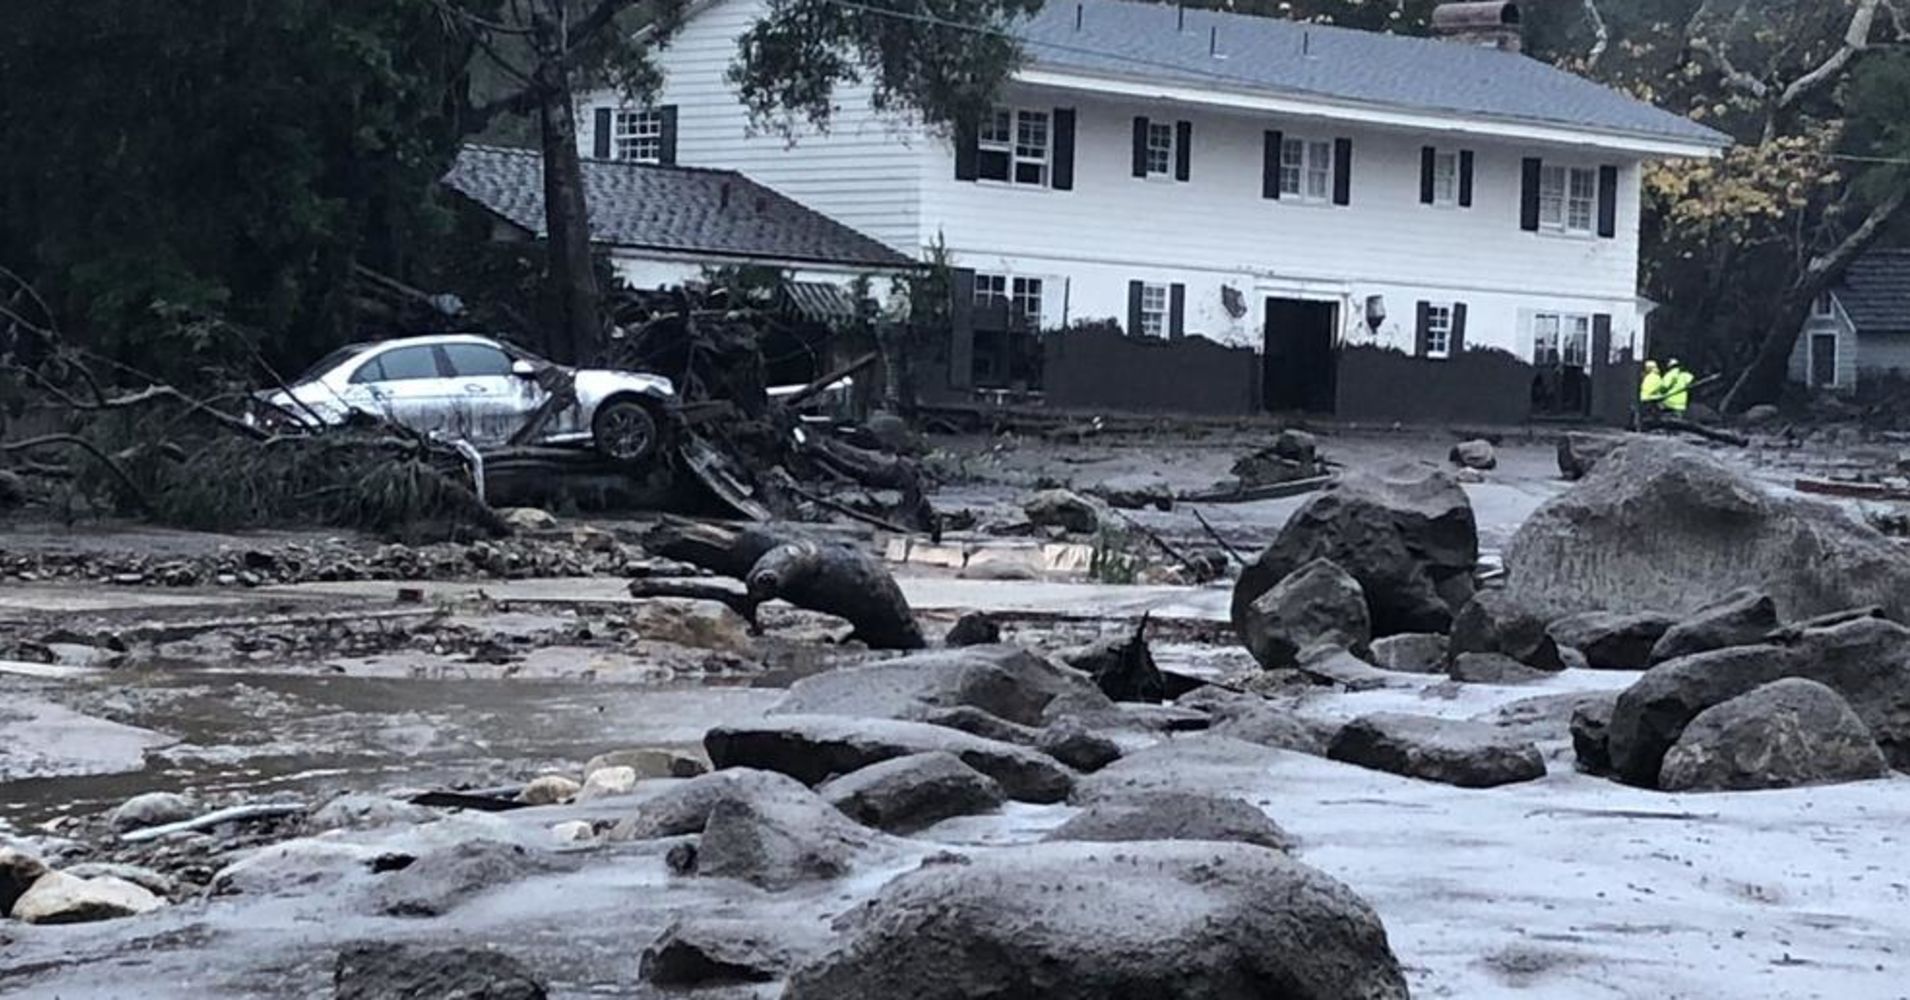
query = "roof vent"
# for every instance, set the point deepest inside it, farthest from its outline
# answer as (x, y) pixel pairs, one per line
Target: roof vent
(1494, 25)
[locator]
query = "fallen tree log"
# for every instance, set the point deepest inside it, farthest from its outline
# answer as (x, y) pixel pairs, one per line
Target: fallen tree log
(828, 577)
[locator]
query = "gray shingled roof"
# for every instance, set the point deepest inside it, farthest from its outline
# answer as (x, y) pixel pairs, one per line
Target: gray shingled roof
(1140, 40)
(678, 209)
(1875, 292)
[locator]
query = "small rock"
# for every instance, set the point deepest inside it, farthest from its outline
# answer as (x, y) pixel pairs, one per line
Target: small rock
(976, 628)
(606, 782)
(529, 519)
(1333, 665)
(1496, 623)
(152, 809)
(1064, 509)
(1466, 754)
(1492, 668)
(353, 811)
(593, 539)
(1591, 740)
(1073, 744)
(1612, 641)
(1468, 477)
(909, 793)
(1173, 816)
(407, 972)
(576, 831)
(551, 789)
(59, 898)
(1741, 618)
(18, 871)
(1475, 455)
(1761, 415)
(1412, 653)
(1137, 492)
(649, 763)
(1272, 726)
(776, 843)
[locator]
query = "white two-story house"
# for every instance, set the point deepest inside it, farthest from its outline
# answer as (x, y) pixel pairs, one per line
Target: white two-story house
(1222, 213)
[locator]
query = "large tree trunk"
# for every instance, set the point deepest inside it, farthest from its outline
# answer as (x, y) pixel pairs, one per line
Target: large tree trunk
(577, 330)
(1764, 381)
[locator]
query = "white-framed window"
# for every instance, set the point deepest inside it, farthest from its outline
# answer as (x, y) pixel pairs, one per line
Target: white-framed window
(1021, 296)
(1154, 299)
(1446, 178)
(1160, 149)
(1306, 169)
(1568, 199)
(990, 289)
(1025, 299)
(1015, 147)
(637, 135)
(1439, 331)
(1562, 339)
(1822, 307)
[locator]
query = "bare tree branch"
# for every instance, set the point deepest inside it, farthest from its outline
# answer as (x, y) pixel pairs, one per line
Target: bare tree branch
(1602, 36)
(1856, 40)
(75, 441)
(150, 394)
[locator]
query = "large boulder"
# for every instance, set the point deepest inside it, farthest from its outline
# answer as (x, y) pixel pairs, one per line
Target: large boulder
(1659, 526)
(1122, 667)
(702, 951)
(59, 898)
(777, 843)
(1319, 603)
(1591, 734)
(814, 748)
(1477, 454)
(1170, 920)
(440, 880)
(1785, 734)
(1579, 452)
(1403, 535)
(909, 793)
(1173, 816)
(1074, 744)
(1741, 618)
(1270, 725)
(1452, 751)
(408, 972)
(1067, 510)
(1496, 622)
(1007, 682)
(1411, 652)
(152, 809)
(1492, 668)
(18, 871)
(1612, 641)
(1866, 661)
(685, 807)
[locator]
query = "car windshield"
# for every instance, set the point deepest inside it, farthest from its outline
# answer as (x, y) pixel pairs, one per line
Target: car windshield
(330, 361)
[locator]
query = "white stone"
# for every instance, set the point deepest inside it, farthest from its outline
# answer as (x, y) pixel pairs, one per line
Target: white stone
(574, 832)
(59, 898)
(549, 790)
(608, 781)
(152, 809)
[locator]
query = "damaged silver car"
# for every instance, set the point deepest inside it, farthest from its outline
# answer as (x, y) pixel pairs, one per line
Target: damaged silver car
(477, 390)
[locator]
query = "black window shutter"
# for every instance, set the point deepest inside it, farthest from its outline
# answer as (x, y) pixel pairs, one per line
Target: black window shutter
(1422, 329)
(666, 154)
(1270, 169)
(1177, 310)
(1133, 308)
(961, 333)
(1529, 194)
(1428, 158)
(1183, 150)
(600, 143)
(1342, 171)
(1140, 145)
(1457, 342)
(967, 150)
(1063, 179)
(1608, 202)
(1465, 178)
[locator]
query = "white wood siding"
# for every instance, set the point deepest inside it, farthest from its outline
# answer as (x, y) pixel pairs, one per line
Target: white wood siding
(1216, 229)
(1853, 352)
(864, 171)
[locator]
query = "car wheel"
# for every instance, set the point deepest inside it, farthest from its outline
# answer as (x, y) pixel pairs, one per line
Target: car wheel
(625, 430)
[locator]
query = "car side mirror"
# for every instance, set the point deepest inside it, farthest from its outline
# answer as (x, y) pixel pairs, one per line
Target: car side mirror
(523, 369)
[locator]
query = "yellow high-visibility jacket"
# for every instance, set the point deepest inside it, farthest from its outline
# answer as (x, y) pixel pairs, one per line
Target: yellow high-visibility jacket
(1652, 388)
(1678, 389)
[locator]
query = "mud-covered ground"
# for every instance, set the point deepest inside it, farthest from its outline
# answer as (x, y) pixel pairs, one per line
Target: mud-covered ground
(263, 691)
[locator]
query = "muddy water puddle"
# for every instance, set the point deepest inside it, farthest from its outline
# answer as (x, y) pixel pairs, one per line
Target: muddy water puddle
(265, 733)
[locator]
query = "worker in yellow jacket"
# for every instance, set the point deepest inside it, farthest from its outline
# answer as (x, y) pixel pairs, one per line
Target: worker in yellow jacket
(1651, 391)
(1677, 388)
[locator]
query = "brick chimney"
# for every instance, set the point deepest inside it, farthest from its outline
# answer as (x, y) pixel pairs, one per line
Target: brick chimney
(1495, 25)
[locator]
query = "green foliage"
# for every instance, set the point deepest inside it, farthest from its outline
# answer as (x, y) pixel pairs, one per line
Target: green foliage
(943, 60)
(1118, 556)
(210, 156)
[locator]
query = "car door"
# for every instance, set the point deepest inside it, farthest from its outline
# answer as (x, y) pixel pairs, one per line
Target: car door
(494, 403)
(403, 385)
